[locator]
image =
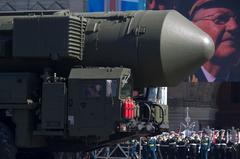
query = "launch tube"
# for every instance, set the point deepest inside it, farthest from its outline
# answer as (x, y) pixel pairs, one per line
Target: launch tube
(160, 47)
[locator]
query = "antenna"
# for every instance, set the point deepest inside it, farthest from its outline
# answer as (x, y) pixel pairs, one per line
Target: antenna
(187, 118)
(189, 126)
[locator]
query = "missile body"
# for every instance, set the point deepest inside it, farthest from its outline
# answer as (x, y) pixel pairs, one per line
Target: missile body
(160, 47)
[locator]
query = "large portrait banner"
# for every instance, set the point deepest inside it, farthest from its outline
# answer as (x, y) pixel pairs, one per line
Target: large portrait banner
(220, 19)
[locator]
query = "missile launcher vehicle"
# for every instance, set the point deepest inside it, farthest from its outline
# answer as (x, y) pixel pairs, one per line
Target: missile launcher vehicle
(67, 79)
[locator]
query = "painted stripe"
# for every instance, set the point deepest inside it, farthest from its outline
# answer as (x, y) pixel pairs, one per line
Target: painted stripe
(113, 5)
(131, 0)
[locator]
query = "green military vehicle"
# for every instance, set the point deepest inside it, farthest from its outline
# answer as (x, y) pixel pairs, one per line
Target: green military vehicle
(67, 79)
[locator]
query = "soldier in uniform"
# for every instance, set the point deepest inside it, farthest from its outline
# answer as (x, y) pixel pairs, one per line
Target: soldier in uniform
(210, 134)
(172, 150)
(238, 143)
(222, 144)
(231, 141)
(198, 142)
(133, 149)
(182, 147)
(216, 149)
(194, 146)
(144, 148)
(152, 147)
(158, 151)
(213, 149)
(164, 145)
(205, 146)
(93, 154)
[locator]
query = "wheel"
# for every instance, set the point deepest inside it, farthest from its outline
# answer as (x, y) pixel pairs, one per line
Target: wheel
(7, 146)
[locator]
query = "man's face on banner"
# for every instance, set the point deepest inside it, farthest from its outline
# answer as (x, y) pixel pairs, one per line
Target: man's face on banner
(222, 25)
(156, 4)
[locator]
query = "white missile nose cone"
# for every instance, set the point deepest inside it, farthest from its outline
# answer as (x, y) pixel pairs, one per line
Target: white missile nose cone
(184, 47)
(208, 47)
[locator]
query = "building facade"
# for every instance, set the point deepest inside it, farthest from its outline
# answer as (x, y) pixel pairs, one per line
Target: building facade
(200, 98)
(18, 5)
(210, 104)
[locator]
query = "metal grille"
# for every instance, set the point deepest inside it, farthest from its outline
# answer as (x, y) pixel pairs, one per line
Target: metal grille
(16, 5)
(63, 36)
(76, 36)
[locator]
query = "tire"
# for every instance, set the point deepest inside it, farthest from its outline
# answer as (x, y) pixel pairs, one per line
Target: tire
(7, 146)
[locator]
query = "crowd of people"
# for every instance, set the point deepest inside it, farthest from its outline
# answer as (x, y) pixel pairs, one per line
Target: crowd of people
(206, 144)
